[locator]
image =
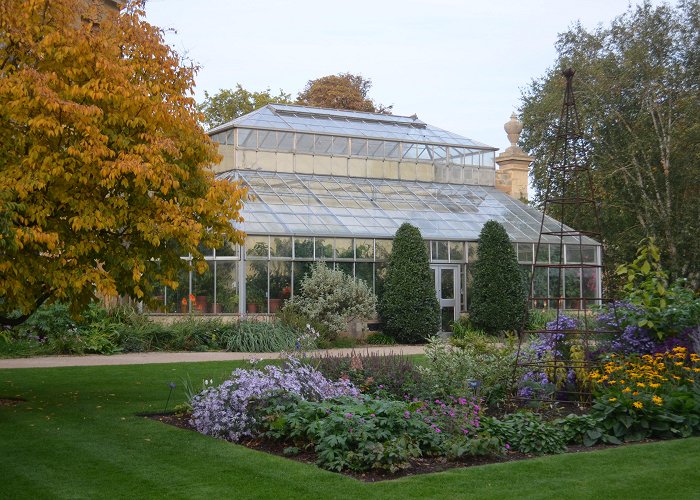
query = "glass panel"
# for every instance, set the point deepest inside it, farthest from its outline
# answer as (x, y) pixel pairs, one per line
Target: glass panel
(543, 253)
(425, 152)
(439, 152)
(256, 287)
(447, 318)
(555, 291)
(207, 252)
(525, 252)
(228, 250)
(379, 277)
(301, 269)
(392, 149)
(375, 148)
(473, 248)
(540, 290)
(447, 283)
(346, 267)
(573, 288)
(323, 145)
(590, 284)
(343, 248)
(285, 141)
(226, 287)
(573, 254)
(324, 248)
(267, 139)
(303, 248)
(359, 147)
(305, 143)
(409, 151)
(383, 249)
(340, 145)
(365, 271)
(281, 246)
(456, 156)
(246, 138)
(364, 249)
(456, 251)
(257, 246)
(203, 290)
(589, 254)
(178, 298)
(439, 251)
(280, 284)
(229, 137)
(555, 254)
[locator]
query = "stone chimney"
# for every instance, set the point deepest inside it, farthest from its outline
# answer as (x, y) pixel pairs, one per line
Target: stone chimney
(513, 163)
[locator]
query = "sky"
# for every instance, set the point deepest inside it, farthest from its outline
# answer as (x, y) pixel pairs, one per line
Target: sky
(458, 65)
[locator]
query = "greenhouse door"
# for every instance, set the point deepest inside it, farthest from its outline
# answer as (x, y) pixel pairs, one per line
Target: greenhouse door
(447, 289)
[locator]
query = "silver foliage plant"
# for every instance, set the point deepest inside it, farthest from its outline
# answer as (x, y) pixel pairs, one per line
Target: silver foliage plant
(333, 298)
(223, 411)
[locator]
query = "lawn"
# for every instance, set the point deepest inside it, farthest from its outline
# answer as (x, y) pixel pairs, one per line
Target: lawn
(77, 436)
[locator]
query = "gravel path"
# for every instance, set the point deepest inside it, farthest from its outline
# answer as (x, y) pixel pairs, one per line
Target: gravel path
(144, 358)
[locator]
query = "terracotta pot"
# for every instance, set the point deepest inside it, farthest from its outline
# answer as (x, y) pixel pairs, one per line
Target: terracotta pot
(275, 305)
(252, 308)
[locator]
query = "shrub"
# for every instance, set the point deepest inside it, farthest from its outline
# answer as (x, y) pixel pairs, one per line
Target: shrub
(408, 306)
(527, 432)
(378, 338)
(222, 411)
(480, 366)
(665, 310)
(333, 298)
(499, 294)
(392, 375)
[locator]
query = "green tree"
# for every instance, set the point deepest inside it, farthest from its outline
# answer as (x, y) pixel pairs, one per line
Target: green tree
(408, 305)
(341, 91)
(104, 182)
(637, 92)
(229, 104)
(499, 296)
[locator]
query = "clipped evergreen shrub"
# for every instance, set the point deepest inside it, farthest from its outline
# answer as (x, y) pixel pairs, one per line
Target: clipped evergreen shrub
(408, 306)
(499, 293)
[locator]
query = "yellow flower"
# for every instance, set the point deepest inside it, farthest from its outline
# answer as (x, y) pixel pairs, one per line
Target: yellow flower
(635, 393)
(638, 405)
(657, 400)
(612, 400)
(626, 389)
(654, 386)
(678, 363)
(639, 384)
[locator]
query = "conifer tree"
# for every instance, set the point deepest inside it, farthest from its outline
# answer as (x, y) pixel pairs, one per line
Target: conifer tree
(498, 290)
(408, 305)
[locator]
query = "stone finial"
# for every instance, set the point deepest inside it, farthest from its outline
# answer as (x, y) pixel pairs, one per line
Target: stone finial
(513, 128)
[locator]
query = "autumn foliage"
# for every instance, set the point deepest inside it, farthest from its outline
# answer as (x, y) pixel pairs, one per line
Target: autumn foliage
(103, 181)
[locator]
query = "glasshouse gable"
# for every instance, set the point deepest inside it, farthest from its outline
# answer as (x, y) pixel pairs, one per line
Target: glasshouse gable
(336, 185)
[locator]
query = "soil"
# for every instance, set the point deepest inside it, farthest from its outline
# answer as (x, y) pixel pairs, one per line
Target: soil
(423, 465)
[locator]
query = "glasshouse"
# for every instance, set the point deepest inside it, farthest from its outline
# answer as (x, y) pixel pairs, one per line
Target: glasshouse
(336, 185)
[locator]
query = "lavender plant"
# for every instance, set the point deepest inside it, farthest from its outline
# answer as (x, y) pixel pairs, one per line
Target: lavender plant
(223, 411)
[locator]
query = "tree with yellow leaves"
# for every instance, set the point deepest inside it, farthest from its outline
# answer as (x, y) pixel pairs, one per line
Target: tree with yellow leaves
(104, 182)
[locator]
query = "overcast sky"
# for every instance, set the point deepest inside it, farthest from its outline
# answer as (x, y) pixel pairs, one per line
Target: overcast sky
(459, 65)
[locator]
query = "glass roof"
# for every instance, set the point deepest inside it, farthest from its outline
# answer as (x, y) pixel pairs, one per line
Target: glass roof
(348, 123)
(315, 205)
